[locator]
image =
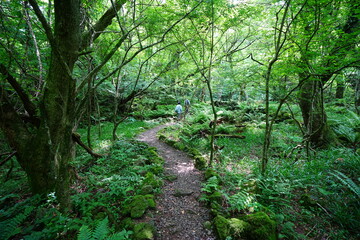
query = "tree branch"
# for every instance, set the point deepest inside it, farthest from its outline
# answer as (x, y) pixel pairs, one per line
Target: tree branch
(106, 19)
(28, 105)
(76, 138)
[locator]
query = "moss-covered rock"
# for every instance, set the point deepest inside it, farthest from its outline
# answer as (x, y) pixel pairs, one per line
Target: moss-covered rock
(146, 189)
(144, 231)
(200, 162)
(126, 223)
(170, 142)
(233, 227)
(260, 226)
(237, 228)
(140, 204)
(151, 179)
(152, 156)
(221, 226)
(180, 146)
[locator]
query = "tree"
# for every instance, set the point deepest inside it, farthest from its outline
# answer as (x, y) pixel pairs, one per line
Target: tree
(41, 131)
(326, 47)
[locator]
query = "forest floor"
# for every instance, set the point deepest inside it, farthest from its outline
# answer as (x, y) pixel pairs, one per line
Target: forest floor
(178, 214)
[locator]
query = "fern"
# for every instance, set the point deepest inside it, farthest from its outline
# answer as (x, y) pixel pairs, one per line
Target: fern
(11, 227)
(347, 127)
(211, 185)
(102, 232)
(240, 200)
(85, 233)
(345, 180)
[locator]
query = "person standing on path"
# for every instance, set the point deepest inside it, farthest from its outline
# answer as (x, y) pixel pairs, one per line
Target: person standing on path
(178, 110)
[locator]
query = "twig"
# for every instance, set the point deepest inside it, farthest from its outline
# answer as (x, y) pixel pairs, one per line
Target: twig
(7, 158)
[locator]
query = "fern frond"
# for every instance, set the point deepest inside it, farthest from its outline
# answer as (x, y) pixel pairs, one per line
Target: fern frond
(240, 200)
(345, 180)
(10, 227)
(85, 233)
(102, 230)
(123, 235)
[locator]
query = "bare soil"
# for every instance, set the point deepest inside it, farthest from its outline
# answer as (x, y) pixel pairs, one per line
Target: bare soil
(179, 215)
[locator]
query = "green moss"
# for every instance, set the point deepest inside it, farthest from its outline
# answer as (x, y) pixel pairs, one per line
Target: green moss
(180, 146)
(151, 179)
(151, 201)
(152, 156)
(170, 142)
(127, 223)
(144, 231)
(138, 206)
(146, 189)
(221, 226)
(200, 162)
(237, 227)
(260, 226)
(233, 227)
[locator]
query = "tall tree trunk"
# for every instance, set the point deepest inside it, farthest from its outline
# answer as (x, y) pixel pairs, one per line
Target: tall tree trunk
(340, 88)
(311, 101)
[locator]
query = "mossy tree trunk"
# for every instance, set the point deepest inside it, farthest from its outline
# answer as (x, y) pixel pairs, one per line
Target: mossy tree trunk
(43, 141)
(311, 102)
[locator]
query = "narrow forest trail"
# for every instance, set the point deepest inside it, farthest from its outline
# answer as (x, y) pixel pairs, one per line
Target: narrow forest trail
(179, 215)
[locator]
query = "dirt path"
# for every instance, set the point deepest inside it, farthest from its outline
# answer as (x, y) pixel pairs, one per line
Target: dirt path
(179, 215)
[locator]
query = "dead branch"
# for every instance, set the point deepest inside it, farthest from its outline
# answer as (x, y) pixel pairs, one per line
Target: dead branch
(7, 158)
(76, 137)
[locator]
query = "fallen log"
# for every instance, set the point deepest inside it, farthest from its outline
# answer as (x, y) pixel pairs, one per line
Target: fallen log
(229, 136)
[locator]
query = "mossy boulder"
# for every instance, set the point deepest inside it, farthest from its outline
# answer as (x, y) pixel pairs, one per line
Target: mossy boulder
(170, 142)
(152, 156)
(260, 226)
(151, 179)
(233, 227)
(144, 231)
(179, 145)
(146, 189)
(200, 162)
(140, 204)
(127, 223)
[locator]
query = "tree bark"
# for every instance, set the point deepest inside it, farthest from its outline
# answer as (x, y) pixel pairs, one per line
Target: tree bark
(311, 102)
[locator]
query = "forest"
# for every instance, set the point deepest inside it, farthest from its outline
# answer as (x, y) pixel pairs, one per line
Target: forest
(91, 146)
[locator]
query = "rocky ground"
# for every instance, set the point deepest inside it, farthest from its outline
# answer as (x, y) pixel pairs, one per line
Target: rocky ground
(178, 215)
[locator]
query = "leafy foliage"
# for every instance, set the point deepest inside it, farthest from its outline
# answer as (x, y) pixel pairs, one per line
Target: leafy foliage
(102, 232)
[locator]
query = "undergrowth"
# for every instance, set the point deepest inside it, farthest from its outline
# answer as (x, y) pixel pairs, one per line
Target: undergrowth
(101, 191)
(310, 198)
